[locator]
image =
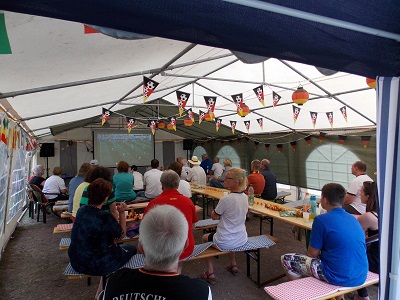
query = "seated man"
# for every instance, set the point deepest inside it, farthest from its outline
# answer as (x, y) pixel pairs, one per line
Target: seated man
(163, 236)
(216, 170)
(151, 181)
(255, 178)
(54, 187)
(337, 250)
(270, 191)
(37, 178)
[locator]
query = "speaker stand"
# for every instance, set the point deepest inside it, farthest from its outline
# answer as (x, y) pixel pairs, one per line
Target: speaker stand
(47, 166)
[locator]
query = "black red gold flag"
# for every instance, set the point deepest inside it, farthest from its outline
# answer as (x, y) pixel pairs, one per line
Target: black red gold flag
(259, 91)
(294, 145)
(210, 103)
(342, 139)
(313, 116)
(279, 147)
(308, 140)
(296, 112)
(130, 123)
(233, 126)
(182, 100)
(105, 115)
(329, 115)
(217, 124)
(365, 140)
(149, 85)
(275, 98)
(260, 122)
(344, 112)
(202, 115)
(267, 147)
(247, 125)
(153, 126)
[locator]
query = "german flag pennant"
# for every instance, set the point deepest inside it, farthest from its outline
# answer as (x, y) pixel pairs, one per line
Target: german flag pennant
(153, 126)
(342, 139)
(182, 100)
(210, 103)
(296, 112)
(149, 86)
(105, 116)
(202, 115)
(233, 126)
(238, 99)
(4, 129)
(365, 140)
(247, 125)
(172, 121)
(130, 123)
(267, 147)
(190, 114)
(344, 112)
(322, 136)
(314, 116)
(260, 122)
(294, 145)
(308, 140)
(275, 98)
(256, 143)
(217, 124)
(329, 115)
(279, 147)
(259, 91)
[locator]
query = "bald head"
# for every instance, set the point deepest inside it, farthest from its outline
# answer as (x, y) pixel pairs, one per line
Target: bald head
(265, 163)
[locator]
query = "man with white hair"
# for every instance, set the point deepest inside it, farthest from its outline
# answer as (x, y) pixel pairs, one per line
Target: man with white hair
(163, 236)
(196, 173)
(37, 179)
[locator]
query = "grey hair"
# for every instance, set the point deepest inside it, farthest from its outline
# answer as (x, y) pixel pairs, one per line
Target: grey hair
(265, 162)
(170, 180)
(37, 170)
(256, 164)
(163, 235)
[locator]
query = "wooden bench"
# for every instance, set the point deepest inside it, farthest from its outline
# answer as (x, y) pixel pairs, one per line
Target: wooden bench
(312, 288)
(201, 251)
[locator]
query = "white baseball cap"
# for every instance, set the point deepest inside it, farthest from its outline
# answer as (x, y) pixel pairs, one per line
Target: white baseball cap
(94, 162)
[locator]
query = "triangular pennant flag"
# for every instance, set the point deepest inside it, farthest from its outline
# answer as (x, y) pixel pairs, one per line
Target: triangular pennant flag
(5, 47)
(329, 115)
(296, 112)
(294, 145)
(105, 115)
(365, 140)
(256, 144)
(259, 91)
(279, 147)
(344, 112)
(275, 98)
(149, 86)
(247, 125)
(202, 115)
(88, 30)
(238, 100)
(130, 123)
(267, 147)
(190, 114)
(308, 140)
(342, 139)
(260, 122)
(182, 100)
(172, 121)
(4, 130)
(217, 124)
(233, 126)
(210, 103)
(314, 116)
(153, 126)
(322, 136)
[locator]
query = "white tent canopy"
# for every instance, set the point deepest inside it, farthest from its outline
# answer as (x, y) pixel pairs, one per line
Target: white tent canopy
(58, 75)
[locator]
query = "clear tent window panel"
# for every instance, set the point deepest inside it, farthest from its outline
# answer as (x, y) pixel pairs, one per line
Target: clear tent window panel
(329, 163)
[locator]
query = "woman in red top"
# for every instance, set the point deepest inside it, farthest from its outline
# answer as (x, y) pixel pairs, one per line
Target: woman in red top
(256, 178)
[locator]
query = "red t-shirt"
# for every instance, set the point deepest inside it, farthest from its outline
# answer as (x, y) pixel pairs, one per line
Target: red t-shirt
(186, 206)
(258, 182)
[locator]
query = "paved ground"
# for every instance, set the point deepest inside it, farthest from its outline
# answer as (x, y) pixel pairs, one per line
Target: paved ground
(32, 265)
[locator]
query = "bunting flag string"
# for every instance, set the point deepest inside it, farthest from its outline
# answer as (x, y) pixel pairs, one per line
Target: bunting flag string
(314, 116)
(130, 123)
(259, 91)
(275, 98)
(149, 86)
(233, 126)
(182, 100)
(105, 116)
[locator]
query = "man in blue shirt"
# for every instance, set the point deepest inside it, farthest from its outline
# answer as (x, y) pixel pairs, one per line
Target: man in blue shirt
(337, 250)
(206, 163)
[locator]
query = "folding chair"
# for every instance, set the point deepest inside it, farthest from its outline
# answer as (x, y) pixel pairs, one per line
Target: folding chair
(41, 201)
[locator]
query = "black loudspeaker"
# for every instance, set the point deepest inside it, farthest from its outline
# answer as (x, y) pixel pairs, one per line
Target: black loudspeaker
(187, 144)
(47, 150)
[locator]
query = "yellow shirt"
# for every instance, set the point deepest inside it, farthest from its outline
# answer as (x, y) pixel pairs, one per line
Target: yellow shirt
(78, 196)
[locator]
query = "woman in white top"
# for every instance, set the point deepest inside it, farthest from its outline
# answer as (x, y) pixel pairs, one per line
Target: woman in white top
(137, 179)
(231, 213)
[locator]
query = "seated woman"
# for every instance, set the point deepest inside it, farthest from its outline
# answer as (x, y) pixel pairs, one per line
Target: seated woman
(94, 249)
(218, 182)
(123, 182)
(336, 253)
(369, 222)
(231, 213)
(54, 187)
(137, 179)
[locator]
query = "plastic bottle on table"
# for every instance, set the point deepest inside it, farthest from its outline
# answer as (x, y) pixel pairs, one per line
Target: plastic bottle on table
(250, 195)
(306, 203)
(313, 204)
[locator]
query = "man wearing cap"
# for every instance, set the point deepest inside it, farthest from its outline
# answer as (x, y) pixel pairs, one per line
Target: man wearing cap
(196, 173)
(94, 162)
(206, 163)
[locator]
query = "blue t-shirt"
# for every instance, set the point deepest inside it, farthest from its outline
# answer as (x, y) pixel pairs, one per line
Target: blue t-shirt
(123, 183)
(206, 165)
(73, 185)
(341, 240)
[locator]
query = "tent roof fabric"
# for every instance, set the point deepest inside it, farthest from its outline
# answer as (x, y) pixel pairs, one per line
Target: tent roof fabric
(252, 30)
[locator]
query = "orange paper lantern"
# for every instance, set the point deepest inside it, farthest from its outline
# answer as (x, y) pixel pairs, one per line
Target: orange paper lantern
(371, 83)
(209, 117)
(188, 122)
(244, 111)
(161, 125)
(170, 126)
(300, 96)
